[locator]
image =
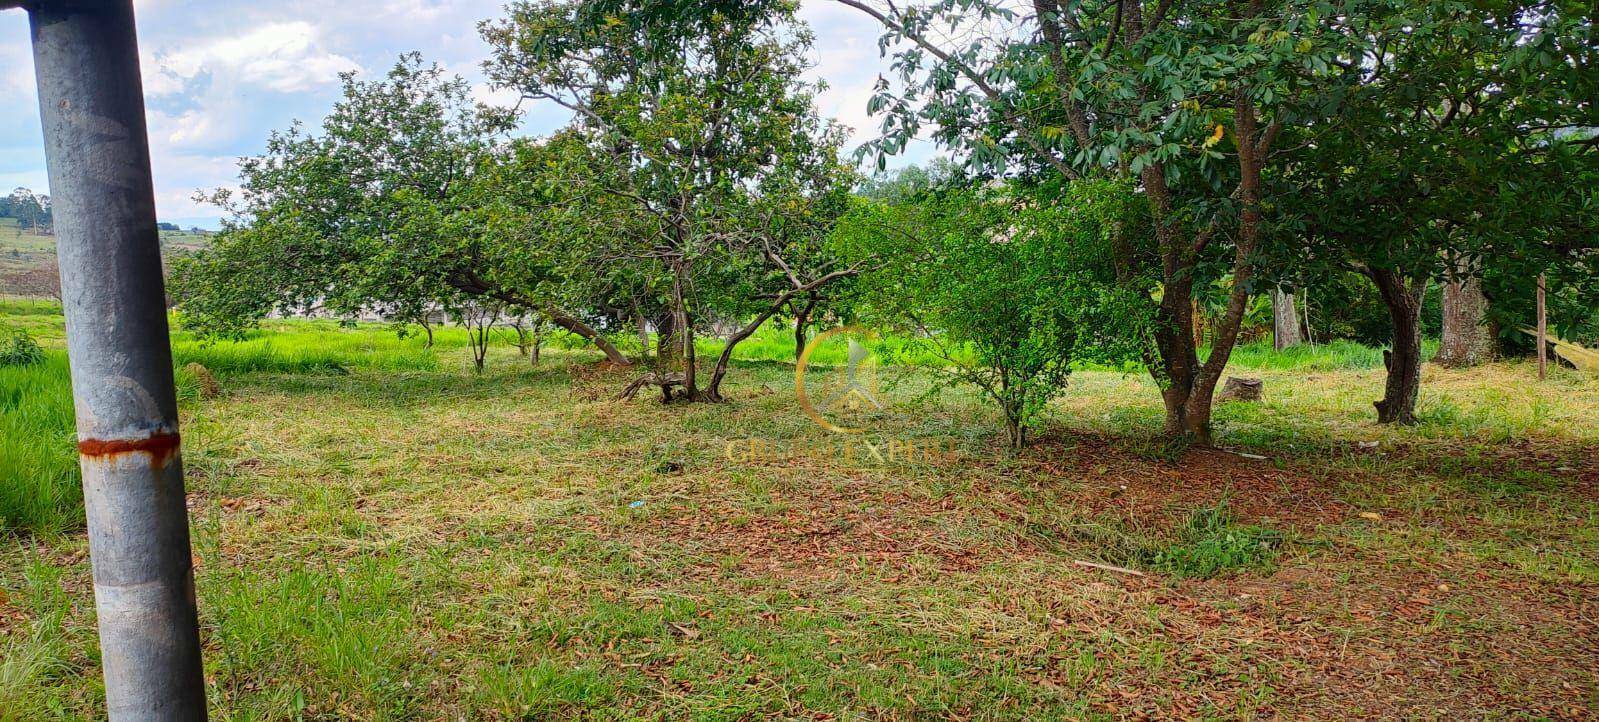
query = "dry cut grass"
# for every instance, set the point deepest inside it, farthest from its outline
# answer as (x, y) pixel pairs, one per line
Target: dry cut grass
(399, 543)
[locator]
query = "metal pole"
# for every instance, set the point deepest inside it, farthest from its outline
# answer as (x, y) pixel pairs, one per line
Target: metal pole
(91, 101)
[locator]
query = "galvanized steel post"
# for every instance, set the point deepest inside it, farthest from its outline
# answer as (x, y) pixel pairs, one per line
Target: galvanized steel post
(91, 101)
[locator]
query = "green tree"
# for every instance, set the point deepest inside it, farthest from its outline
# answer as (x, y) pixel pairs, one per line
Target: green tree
(31, 211)
(705, 169)
(1009, 289)
(1453, 144)
(1186, 99)
(383, 210)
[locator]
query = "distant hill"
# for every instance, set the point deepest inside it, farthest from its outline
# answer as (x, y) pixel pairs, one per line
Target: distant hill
(22, 250)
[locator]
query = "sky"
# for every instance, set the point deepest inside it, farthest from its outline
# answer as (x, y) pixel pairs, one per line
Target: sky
(219, 76)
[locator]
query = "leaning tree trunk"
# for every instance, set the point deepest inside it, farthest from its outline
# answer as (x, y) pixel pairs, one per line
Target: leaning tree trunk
(1403, 385)
(566, 321)
(713, 390)
(1467, 338)
(473, 285)
(1284, 320)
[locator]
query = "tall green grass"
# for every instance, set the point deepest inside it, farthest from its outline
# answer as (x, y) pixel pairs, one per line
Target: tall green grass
(315, 346)
(12, 306)
(40, 319)
(39, 481)
(775, 342)
(1331, 356)
(306, 351)
(40, 485)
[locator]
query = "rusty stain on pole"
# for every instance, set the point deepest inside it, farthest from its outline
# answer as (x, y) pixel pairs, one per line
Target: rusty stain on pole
(96, 147)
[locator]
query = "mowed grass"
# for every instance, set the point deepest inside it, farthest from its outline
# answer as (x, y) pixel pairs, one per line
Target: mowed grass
(40, 488)
(398, 541)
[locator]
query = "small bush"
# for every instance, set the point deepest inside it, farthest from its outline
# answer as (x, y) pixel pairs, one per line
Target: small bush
(1019, 290)
(204, 381)
(20, 350)
(1209, 543)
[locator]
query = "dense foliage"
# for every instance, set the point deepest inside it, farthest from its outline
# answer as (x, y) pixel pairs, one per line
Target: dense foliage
(1010, 290)
(384, 210)
(707, 177)
(1128, 180)
(1410, 139)
(17, 348)
(31, 211)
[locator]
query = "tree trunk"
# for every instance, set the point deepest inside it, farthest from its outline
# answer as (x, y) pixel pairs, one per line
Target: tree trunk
(1175, 366)
(479, 339)
(1189, 386)
(471, 284)
(802, 320)
(665, 340)
(1543, 327)
(1015, 433)
(1285, 320)
(643, 333)
(1310, 334)
(562, 319)
(1403, 361)
(1467, 338)
(713, 390)
(683, 329)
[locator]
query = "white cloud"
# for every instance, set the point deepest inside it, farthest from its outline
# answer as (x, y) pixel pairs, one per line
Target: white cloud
(193, 127)
(178, 176)
(285, 57)
(219, 76)
(847, 58)
(16, 71)
(502, 98)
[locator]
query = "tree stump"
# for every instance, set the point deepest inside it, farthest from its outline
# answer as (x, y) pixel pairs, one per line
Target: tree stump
(1238, 389)
(205, 381)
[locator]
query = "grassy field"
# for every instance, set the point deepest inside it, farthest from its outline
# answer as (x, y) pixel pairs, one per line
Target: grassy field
(22, 249)
(381, 534)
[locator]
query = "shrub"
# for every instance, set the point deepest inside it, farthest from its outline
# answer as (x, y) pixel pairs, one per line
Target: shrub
(1010, 292)
(1209, 544)
(20, 350)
